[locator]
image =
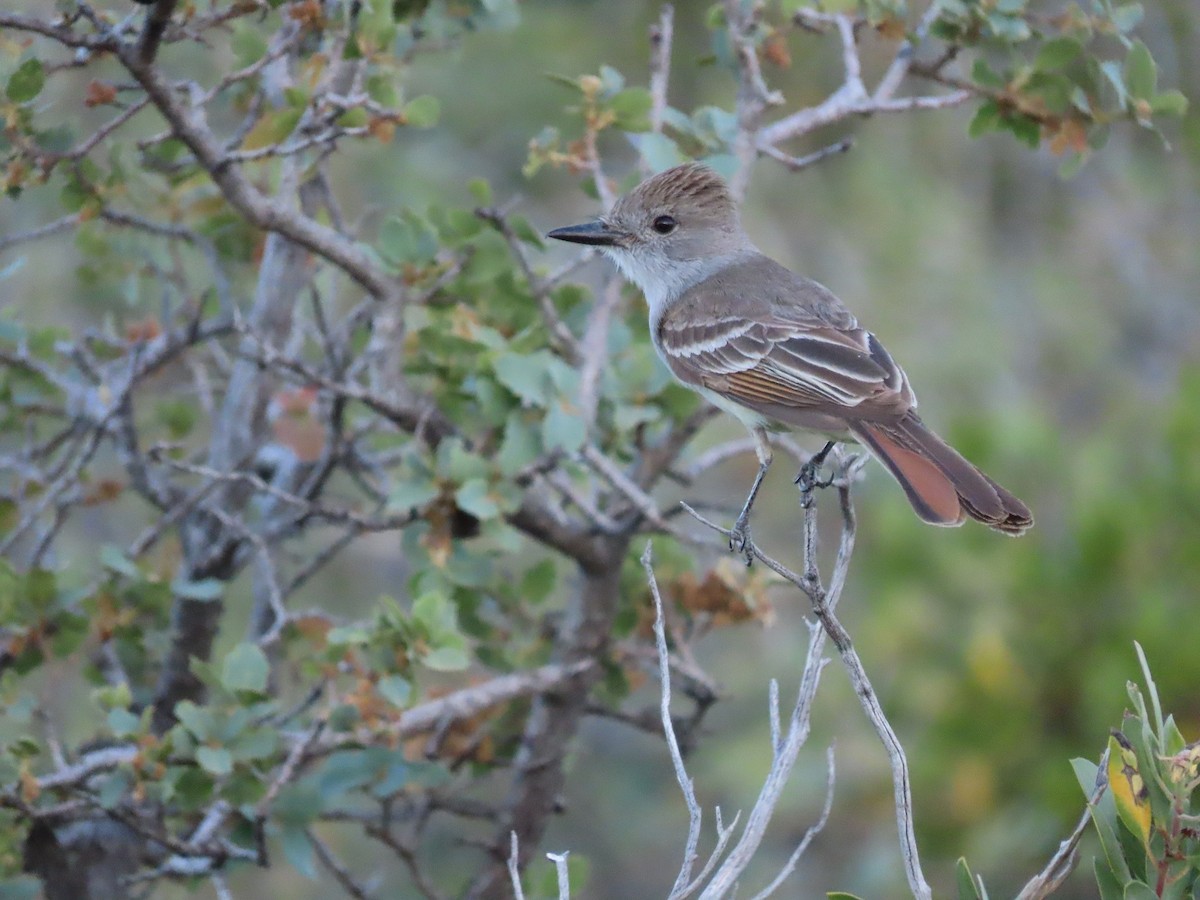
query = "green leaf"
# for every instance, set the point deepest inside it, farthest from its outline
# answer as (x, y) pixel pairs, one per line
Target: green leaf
(481, 191)
(632, 109)
(196, 719)
(526, 232)
(538, 581)
(206, 589)
(965, 881)
(1025, 130)
(658, 150)
(526, 375)
(436, 613)
(1141, 72)
(987, 118)
(348, 635)
(215, 760)
(26, 83)
(1056, 53)
(354, 118)
(984, 74)
(257, 743)
(1128, 17)
(114, 559)
(446, 659)
(841, 895)
(1104, 817)
(272, 128)
(1169, 103)
(408, 495)
(563, 429)
(1010, 29)
(423, 111)
(1112, 71)
(519, 447)
(395, 689)
(298, 850)
(1139, 890)
(473, 497)
(247, 43)
(123, 723)
(1110, 888)
(246, 669)
(407, 239)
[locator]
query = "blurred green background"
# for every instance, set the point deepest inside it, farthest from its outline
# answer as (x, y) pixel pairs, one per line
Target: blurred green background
(1052, 331)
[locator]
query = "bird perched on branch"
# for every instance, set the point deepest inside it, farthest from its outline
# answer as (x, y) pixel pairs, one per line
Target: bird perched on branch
(778, 350)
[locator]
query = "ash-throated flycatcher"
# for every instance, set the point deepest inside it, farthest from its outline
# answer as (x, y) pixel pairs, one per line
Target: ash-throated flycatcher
(776, 349)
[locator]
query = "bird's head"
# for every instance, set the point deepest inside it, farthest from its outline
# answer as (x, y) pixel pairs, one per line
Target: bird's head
(677, 222)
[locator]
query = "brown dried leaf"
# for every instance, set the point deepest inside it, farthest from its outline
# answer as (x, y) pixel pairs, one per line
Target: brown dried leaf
(775, 51)
(143, 330)
(728, 594)
(382, 128)
(892, 29)
(99, 93)
(103, 491)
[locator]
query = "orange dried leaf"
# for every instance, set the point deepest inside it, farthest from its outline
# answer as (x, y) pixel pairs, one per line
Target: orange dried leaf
(143, 330)
(103, 491)
(776, 52)
(382, 128)
(99, 93)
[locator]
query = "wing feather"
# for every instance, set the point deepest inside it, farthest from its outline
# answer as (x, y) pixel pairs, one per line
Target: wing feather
(796, 364)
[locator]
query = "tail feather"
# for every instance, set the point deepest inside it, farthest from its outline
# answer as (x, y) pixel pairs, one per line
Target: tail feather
(941, 485)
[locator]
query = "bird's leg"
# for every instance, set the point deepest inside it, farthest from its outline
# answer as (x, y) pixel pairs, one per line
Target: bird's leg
(808, 480)
(739, 537)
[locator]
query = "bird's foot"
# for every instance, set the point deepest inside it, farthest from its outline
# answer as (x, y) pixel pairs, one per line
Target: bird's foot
(809, 479)
(739, 538)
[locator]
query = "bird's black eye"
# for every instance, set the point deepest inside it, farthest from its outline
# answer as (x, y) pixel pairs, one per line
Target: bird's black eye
(665, 224)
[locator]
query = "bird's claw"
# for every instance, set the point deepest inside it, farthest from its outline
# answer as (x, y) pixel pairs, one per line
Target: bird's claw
(808, 478)
(808, 481)
(739, 539)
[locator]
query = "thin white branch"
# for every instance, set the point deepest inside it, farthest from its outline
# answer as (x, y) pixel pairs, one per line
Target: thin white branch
(898, 69)
(695, 813)
(592, 356)
(643, 502)
(661, 37)
(514, 872)
(560, 868)
(811, 832)
(824, 602)
(797, 163)
(852, 97)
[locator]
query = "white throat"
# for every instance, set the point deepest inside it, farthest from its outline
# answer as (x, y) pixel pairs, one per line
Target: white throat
(663, 281)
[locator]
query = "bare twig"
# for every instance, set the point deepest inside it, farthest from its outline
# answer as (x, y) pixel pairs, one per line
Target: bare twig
(811, 832)
(329, 860)
(514, 872)
(1064, 860)
(695, 813)
(662, 34)
(563, 873)
(824, 602)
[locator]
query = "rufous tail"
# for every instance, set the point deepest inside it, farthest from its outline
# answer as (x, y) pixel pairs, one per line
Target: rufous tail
(942, 487)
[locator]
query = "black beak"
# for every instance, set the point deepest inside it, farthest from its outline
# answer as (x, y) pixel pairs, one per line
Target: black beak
(596, 233)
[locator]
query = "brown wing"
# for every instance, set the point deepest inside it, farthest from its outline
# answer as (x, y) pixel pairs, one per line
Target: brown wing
(787, 363)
